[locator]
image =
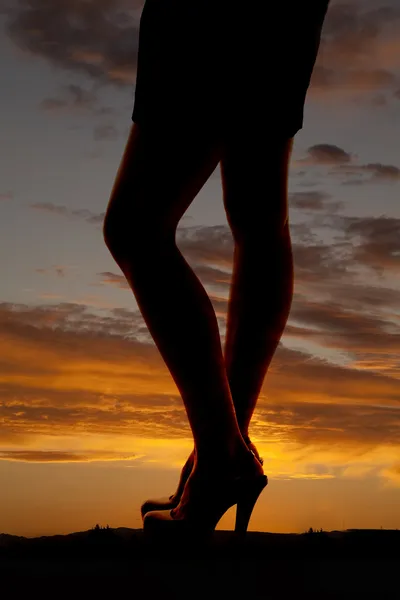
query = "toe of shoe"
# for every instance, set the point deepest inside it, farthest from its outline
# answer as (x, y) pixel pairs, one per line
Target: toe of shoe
(154, 505)
(156, 518)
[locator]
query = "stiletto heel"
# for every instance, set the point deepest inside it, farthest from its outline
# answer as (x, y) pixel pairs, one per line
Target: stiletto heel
(200, 512)
(167, 503)
(246, 504)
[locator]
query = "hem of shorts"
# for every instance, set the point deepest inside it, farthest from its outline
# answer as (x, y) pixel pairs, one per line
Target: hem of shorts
(138, 119)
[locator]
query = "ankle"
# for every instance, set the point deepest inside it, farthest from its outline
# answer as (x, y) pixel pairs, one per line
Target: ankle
(221, 458)
(245, 436)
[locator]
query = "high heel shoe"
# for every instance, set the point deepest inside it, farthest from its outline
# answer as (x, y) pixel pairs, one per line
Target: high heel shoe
(172, 501)
(199, 514)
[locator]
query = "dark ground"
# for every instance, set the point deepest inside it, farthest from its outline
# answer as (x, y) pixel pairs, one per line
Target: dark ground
(116, 563)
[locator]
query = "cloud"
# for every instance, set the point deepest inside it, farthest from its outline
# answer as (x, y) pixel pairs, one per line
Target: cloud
(59, 270)
(318, 423)
(74, 97)
(98, 38)
(105, 132)
(332, 306)
(114, 279)
(379, 173)
(326, 154)
(5, 196)
(45, 456)
(64, 211)
(379, 100)
(53, 104)
(382, 172)
(50, 296)
(359, 49)
(371, 341)
(314, 201)
(380, 242)
(66, 370)
(343, 164)
(373, 242)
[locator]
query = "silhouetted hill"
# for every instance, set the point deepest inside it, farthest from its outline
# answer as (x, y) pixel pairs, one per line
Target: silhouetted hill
(106, 562)
(124, 541)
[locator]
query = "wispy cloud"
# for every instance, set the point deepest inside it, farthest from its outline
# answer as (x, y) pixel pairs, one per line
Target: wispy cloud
(105, 132)
(45, 456)
(75, 98)
(59, 270)
(344, 165)
(108, 278)
(6, 196)
(99, 39)
(64, 211)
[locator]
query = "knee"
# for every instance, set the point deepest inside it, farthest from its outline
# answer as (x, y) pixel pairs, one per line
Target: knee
(114, 231)
(263, 232)
(126, 234)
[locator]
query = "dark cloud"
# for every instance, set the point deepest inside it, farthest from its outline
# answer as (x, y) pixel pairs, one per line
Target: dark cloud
(356, 41)
(378, 172)
(311, 200)
(53, 104)
(114, 279)
(4, 196)
(74, 97)
(105, 132)
(64, 211)
(60, 271)
(365, 336)
(43, 456)
(209, 246)
(343, 164)
(379, 100)
(39, 321)
(374, 242)
(314, 201)
(327, 154)
(382, 172)
(380, 242)
(320, 263)
(330, 307)
(97, 37)
(212, 276)
(320, 424)
(359, 243)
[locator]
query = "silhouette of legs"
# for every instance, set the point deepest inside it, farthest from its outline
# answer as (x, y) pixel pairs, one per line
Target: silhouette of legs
(255, 199)
(159, 176)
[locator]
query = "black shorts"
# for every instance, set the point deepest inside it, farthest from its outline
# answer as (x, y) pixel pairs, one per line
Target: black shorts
(222, 63)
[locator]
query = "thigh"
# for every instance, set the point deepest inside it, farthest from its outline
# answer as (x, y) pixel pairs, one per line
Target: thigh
(179, 62)
(268, 74)
(254, 173)
(161, 172)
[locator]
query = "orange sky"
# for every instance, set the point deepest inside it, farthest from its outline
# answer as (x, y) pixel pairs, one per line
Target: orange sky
(80, 447)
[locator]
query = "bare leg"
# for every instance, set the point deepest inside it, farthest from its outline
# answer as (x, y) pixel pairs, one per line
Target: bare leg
(255, 198)
(159, 177)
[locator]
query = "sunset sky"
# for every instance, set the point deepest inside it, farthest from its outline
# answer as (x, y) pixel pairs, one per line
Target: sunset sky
(91, 422)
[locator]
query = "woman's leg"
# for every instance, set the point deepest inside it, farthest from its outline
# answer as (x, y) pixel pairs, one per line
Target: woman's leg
(159, 176)
(255, 199)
